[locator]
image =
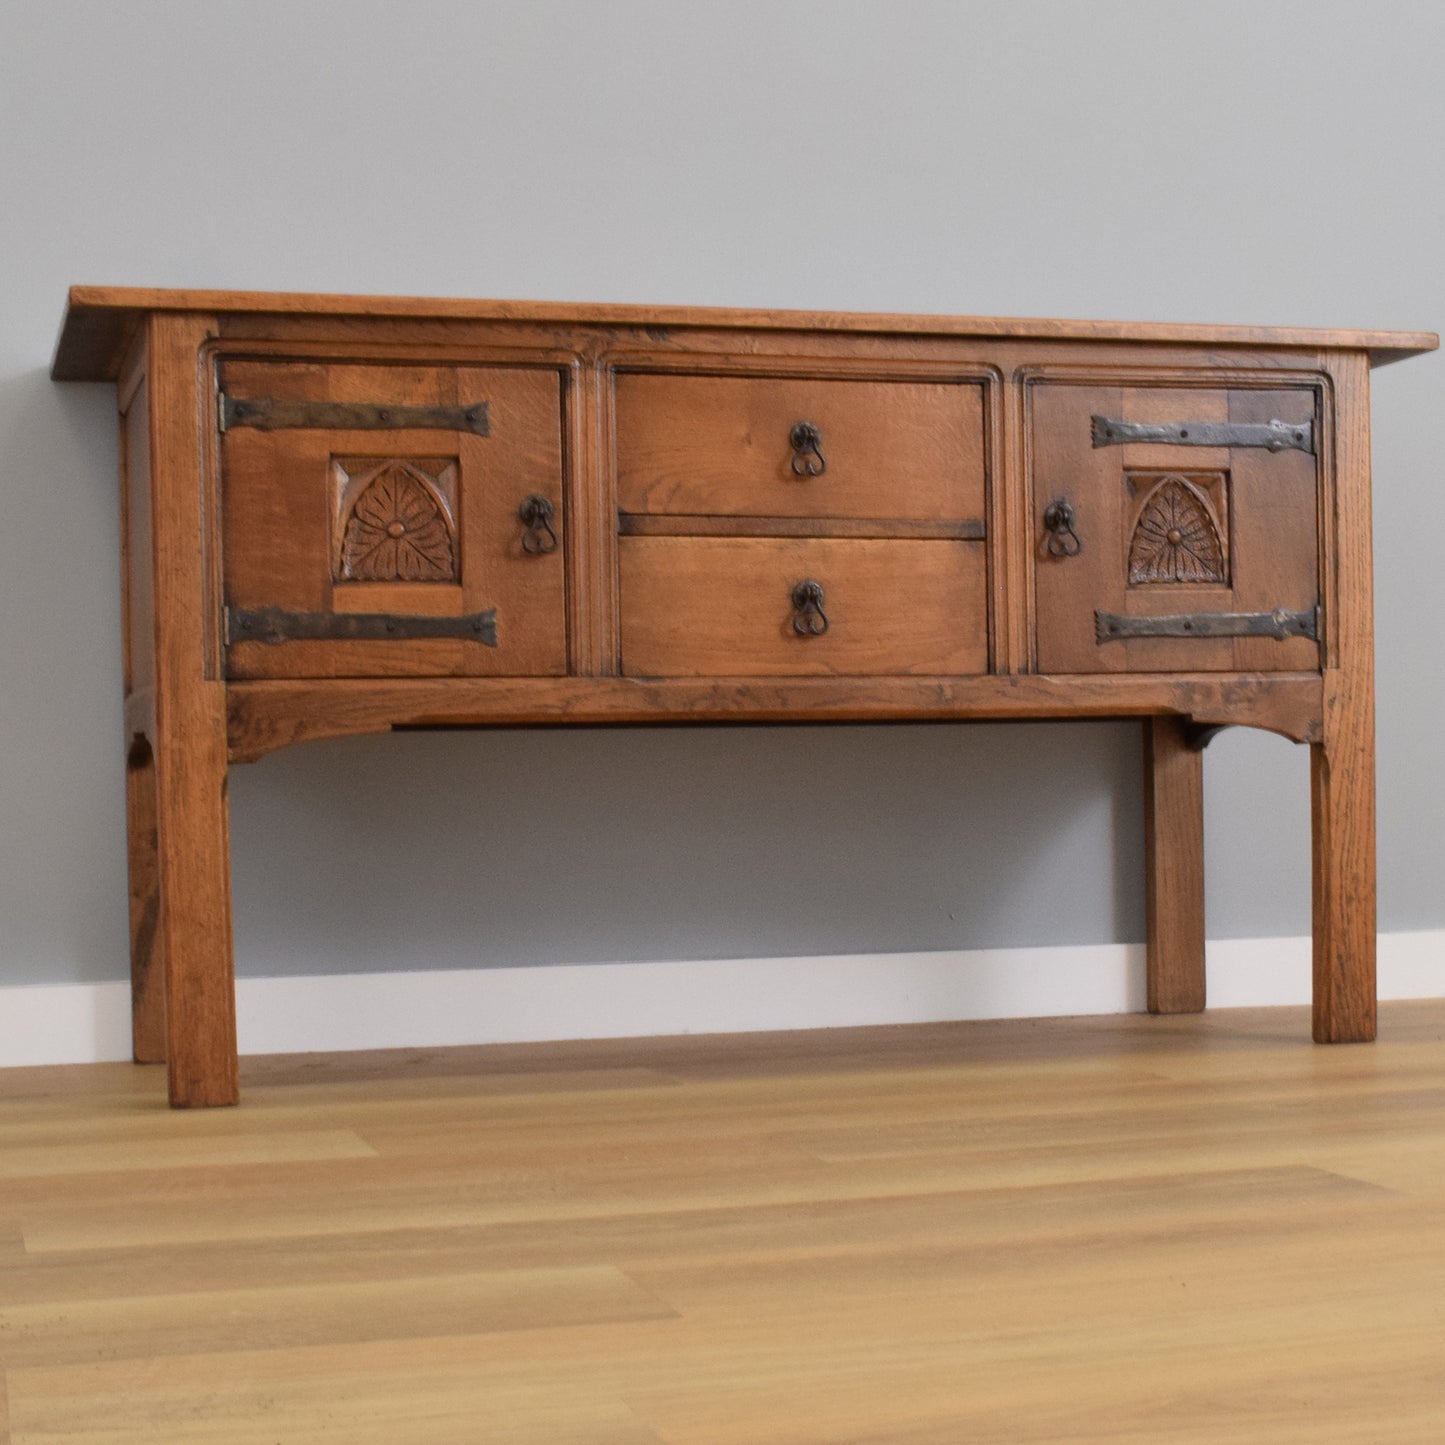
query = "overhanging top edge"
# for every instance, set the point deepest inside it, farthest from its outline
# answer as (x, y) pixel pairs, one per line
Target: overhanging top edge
(97, 315)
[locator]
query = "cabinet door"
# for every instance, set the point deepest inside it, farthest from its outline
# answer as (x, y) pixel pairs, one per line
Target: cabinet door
(1156, 553)
(373, 520)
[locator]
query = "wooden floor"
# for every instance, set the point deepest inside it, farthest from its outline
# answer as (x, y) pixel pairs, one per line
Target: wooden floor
(1200, 1229)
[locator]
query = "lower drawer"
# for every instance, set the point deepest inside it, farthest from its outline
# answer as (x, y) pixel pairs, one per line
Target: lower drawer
(768, 606)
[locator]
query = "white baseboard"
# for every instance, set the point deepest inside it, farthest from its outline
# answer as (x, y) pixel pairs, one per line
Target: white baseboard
(90, 1023)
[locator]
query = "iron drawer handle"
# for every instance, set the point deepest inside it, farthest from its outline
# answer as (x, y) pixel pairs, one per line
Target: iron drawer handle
(809, 619)
(536, 514)
(807, 443)
(1063, 540)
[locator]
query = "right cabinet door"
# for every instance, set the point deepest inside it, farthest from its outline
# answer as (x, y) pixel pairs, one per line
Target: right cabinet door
(1175, 530)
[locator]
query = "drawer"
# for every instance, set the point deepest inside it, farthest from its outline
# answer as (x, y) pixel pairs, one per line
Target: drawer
(373, 520)
(743, 607)
(1192, 536)
(799, 447)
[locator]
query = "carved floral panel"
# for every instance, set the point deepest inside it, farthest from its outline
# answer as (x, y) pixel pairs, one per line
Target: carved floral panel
(395, 519)
(1179, 533)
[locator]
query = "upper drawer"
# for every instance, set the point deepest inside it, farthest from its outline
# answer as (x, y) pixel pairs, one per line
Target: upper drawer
(799, 447)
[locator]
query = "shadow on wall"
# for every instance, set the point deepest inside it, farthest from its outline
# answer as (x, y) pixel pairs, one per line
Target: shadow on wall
(529, 847)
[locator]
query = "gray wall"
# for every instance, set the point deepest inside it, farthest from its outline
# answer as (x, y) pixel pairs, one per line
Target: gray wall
(1270, 163)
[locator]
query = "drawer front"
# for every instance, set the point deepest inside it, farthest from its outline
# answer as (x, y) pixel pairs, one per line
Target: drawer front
(1156, 553)
(372, 520)
(798, 447)
(719, 607)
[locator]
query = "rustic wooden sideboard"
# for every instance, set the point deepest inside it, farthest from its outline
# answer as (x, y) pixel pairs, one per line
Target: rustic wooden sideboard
(346, 515)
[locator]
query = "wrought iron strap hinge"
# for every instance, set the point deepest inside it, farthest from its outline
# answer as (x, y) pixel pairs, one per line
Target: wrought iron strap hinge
(1279, 624)
(1274, 436)
(268, 414)
(276, 625)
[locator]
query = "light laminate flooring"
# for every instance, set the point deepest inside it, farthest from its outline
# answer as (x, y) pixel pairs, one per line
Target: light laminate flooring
(1194, 1229)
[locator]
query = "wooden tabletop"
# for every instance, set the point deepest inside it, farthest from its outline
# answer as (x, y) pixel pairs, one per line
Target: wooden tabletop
(99, 321)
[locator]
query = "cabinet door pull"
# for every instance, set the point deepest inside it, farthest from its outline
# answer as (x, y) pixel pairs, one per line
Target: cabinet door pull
(1063, 539)
(536, 514)
(809, 619)
(807, 443)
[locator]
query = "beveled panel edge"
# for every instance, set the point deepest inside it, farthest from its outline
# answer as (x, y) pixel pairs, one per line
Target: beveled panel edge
(99, 321)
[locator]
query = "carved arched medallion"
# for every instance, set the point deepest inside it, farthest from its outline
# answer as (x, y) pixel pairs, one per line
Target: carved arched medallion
(398, 527)
(1177, 536)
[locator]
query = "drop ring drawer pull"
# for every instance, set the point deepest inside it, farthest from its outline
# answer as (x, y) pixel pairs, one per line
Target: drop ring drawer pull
(809, 619)
(807, 443)
(536, 514)
(1063, 540)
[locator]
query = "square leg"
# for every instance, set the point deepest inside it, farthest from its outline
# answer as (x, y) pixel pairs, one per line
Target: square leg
(147, 965)
(1174, 866)
(1342, 795)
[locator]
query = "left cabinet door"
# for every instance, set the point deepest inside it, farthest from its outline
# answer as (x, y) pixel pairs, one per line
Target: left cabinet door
(391, 519)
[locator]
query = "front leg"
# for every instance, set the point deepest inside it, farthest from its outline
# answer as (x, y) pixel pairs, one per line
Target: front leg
(1342, 763)
(1174, 866)
(195, 918)
(189, 737)
(1342, 796)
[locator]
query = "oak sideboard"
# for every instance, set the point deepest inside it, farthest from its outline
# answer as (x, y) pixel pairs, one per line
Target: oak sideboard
(351, 514)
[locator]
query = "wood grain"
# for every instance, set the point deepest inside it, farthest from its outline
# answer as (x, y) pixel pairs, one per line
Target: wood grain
(147, 955)
(712, 606)
(1024, 1232)
(138, 630)
(138, 617)
(1342, 763)
(590, 540)
(1266, 507)
(190, 741)
(1173, 867)
(268, 715)
(101, 320)
(280, 522)
(1274, 513)
(714, 445)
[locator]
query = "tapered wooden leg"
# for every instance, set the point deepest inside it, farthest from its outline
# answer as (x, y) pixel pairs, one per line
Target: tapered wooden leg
(147, 967)
(1342, 795)
(1174, 867)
